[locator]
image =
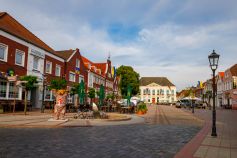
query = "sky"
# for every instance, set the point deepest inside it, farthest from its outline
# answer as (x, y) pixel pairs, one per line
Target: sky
(158, 38)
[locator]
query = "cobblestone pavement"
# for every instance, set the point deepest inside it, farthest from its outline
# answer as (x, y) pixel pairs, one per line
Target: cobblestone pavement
(162, 136)
(168, 115)
(138, 141)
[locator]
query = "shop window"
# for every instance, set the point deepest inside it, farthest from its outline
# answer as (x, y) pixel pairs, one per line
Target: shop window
(13, 91)
(3, 89)
(48, 94)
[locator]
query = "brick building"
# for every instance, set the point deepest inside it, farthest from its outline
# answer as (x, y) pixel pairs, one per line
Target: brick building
(22, 53)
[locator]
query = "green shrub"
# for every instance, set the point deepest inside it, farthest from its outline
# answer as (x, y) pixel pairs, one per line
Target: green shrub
(142, 107)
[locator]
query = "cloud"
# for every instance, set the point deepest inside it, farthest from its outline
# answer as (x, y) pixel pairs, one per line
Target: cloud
(158, 38)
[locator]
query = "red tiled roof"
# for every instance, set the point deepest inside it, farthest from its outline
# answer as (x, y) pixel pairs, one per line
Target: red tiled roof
(102, 67)
(94, 66)
(11, 26)
(221, 74)
(233, 70)
(65, 54)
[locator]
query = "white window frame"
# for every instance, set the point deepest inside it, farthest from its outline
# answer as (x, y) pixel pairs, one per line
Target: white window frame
(81, 78)
(58, 66)
(35, 57)
(74, 76)
(77, 63)
(50, 69)
(6, 52)
(22, 59)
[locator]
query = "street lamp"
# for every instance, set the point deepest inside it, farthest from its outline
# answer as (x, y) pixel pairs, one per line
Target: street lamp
(43, 105)
(213, 60)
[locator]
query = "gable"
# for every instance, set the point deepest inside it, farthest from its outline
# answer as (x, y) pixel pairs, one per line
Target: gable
(153, 85)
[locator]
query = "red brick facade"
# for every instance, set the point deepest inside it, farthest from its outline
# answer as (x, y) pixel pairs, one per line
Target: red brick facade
(70, 66)
(52, 75)
(10, 64)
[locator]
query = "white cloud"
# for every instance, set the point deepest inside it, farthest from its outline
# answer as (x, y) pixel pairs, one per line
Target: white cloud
(175, 48)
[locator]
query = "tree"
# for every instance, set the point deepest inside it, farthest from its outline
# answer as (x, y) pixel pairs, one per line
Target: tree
(110, 96)
(128, 76)
(58, 84)
(29, 84)
(91, 94)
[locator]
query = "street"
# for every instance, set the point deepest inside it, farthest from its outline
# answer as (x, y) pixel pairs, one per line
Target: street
(138, 140)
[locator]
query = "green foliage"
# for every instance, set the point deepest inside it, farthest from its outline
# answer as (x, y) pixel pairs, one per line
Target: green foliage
(142, 107)
(97, 93)
(58, 84)
(128, 76)
(31, 81)
(91, 93)
(74, 89)
(110, 96)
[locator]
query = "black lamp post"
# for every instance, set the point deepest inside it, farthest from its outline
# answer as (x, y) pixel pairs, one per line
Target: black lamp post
(213, 60)
(43, 105)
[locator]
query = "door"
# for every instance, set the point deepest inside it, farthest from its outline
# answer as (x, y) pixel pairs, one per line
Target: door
(153, 100)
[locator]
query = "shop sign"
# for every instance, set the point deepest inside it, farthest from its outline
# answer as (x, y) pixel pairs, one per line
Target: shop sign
(12, 78)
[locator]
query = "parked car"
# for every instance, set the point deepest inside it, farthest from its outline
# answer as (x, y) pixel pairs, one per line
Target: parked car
(178, 104)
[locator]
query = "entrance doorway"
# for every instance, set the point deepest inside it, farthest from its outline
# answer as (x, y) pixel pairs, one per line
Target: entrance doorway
(153, 100)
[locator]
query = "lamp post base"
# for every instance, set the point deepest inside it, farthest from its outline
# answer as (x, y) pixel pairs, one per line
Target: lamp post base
(213, 133)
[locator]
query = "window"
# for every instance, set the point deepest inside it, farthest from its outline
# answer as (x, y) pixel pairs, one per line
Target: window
(36, 63)
(81, 78)
(158, 92)
(90, 80)
(144, 92)
(48, 94)
(77, 63)
(3, 89)
(3, 52)
(167, 91)
(72, 77)
(48, 67)
(19, 58)
(161, 92)
(153, 92)
(172, 91)
(13, 91)
(58, 70)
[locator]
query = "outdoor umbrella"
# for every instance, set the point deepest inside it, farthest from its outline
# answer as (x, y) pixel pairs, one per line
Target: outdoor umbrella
(129, 91)
(191, 98)
(81, 92)
(101, 95)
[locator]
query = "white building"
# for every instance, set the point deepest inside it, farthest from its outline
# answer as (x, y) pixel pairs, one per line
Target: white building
(157, 90)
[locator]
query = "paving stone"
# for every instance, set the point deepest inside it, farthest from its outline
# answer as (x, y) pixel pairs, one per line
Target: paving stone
(201, 152)
(103, 141)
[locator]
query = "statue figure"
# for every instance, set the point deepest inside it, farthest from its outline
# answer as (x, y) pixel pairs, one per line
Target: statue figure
(60, 106)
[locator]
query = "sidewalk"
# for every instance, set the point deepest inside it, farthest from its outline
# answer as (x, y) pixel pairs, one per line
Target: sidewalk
(203, 145)
(40, 120)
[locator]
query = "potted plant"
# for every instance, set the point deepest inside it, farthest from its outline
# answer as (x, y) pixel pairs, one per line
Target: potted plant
(141, 109)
